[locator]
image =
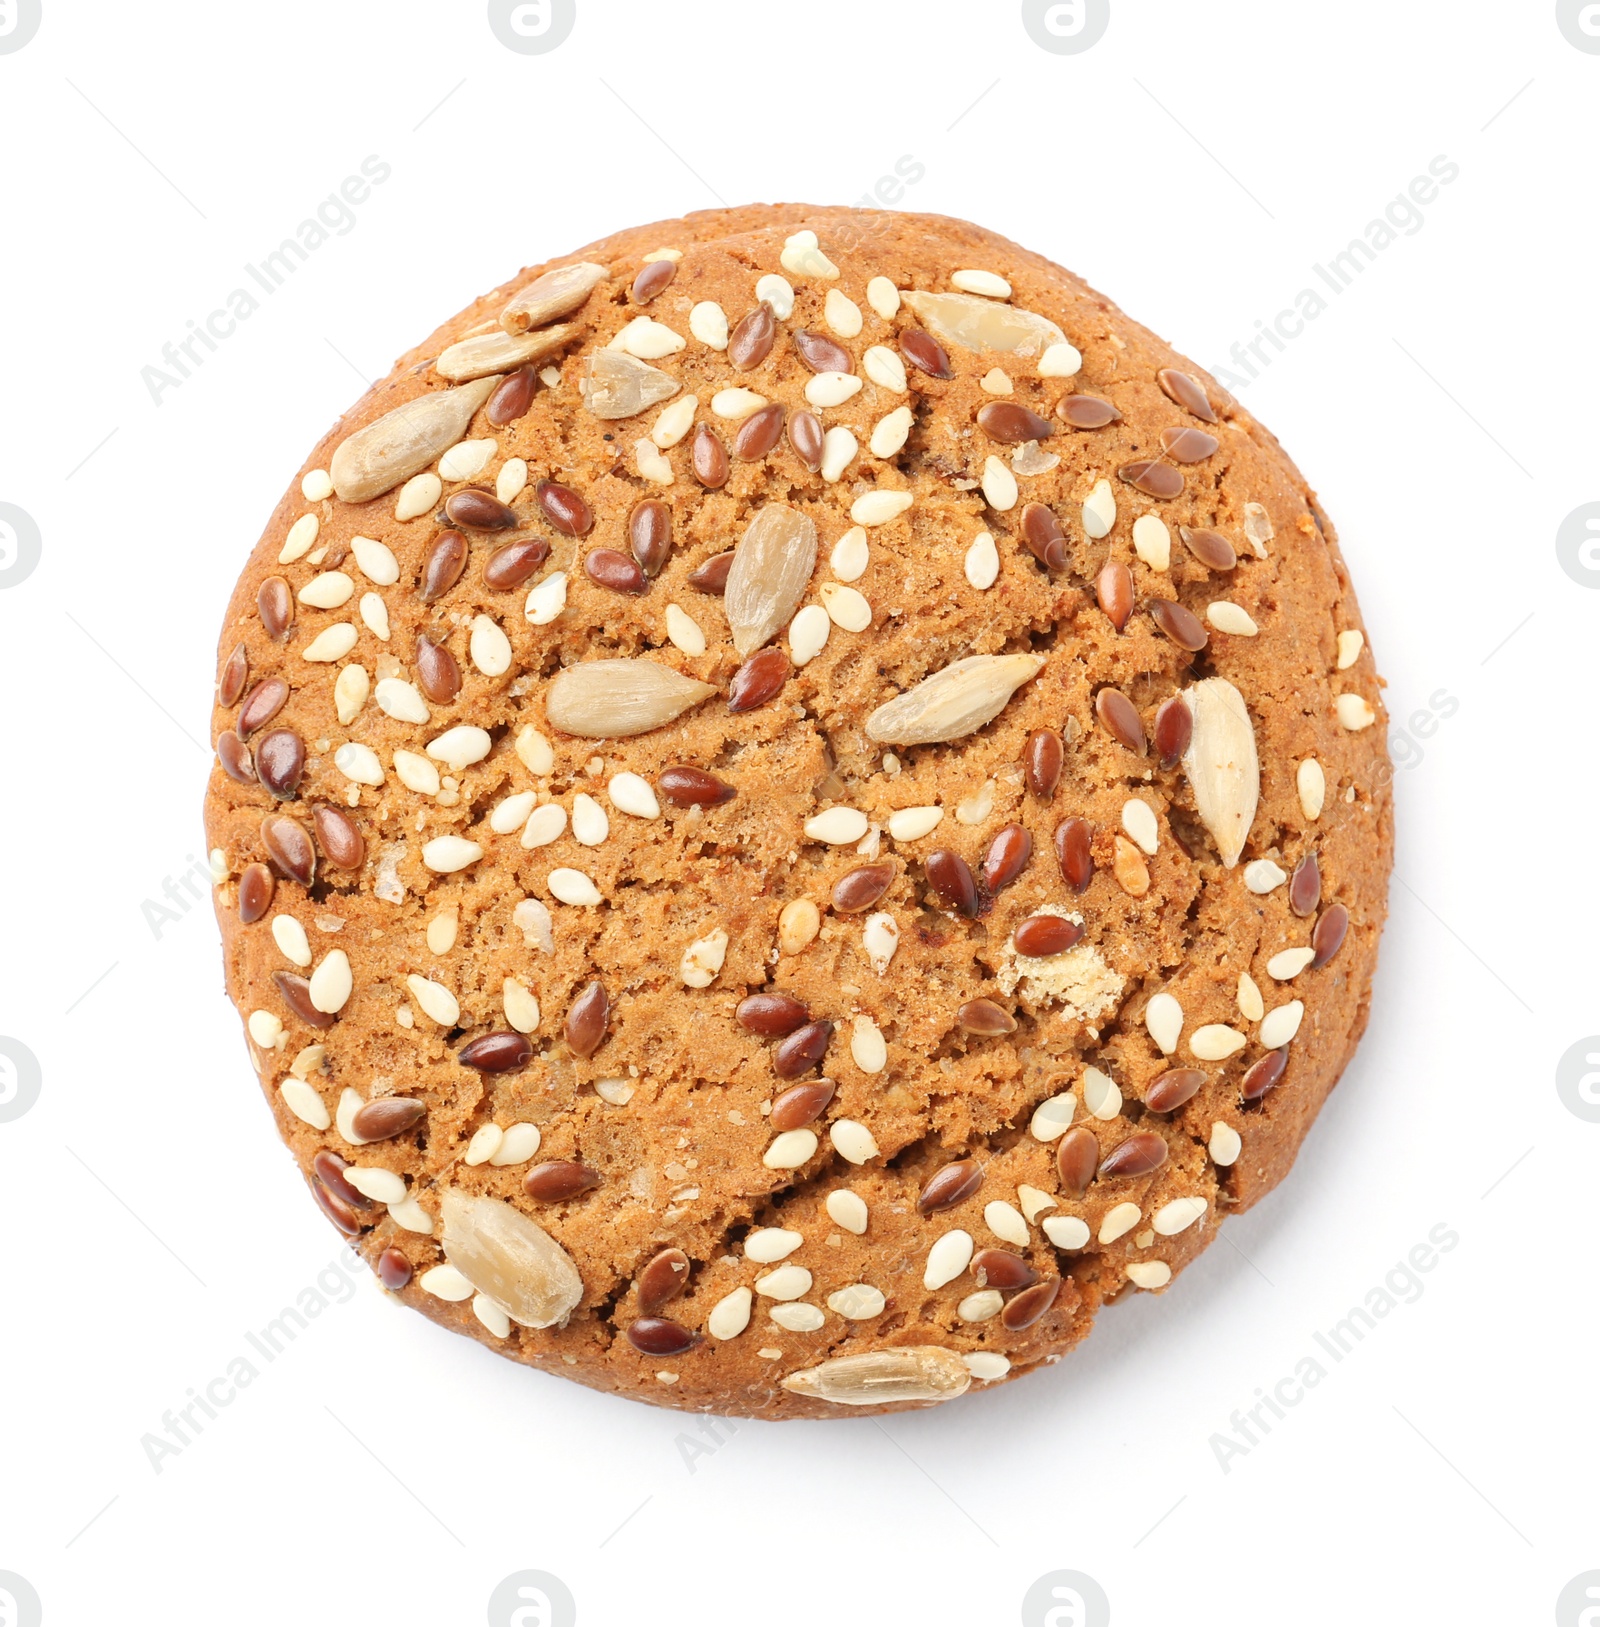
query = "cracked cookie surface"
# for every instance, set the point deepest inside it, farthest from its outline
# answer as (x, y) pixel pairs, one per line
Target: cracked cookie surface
(800, 803)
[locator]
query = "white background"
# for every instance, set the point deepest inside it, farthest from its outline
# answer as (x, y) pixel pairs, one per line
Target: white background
(1194, 164)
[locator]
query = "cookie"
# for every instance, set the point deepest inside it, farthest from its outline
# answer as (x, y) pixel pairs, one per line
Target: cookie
(799, 804)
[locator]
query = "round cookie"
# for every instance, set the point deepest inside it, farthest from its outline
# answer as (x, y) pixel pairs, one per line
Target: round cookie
(800, 803)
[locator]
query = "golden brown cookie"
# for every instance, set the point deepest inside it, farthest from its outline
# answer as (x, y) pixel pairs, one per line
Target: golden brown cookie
(800, 803)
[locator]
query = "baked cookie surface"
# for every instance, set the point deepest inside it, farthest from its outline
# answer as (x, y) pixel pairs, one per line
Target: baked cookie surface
(800, 803)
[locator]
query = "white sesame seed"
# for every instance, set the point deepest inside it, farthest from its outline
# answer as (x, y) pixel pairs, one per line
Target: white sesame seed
(442, 931)
(911, 824)
(521, 1008)
(1350, 643)
(652, 463)
(332, 643)
(511, 812)
(534, 750)
(417, 773)
(999, 485)
(1100, 510)
(299, 539)
(1228, 617)
(831, 389)
(550, 377)
(777, 292)
(1262, 875)
(446, 854)
(802, 257)
(947, 1259)
(492, 1315)
(410, 1215)
(1355, 712)
(547, 599)
(485, 1144)
(850, 555)
(996, 382)
(1215, 1041)
(880, 937)
(703, 959)
(402, 701)
(1179, 1215)
(375, 615)
(1149, 1273)
(847, 607)
(290, 937)
(1139, 821)
(632, 794)
(1053, 1118)
(769, 1244)
(730, 1316)
(1118, 1221)
(572, 887)
(796, 1318)
(381, 1185)
(377, 562)
(842, 314)
(327, 591)
(883, 297)
(1163, 1020)
(868, 1048)
(808, 633)
(435, 999)
(1100, 1094)
(1251, 1006)
(350, 691)
(217, 864)
(1224, 1145)
(662, 254)
(674, 421)
(857, 1303)
(466, 460)
(790, 1149)
(590, 827)
(1312, 786)
(684, 632)
(1034, 1202)
(1059, 361)
(837, 826)
(980, 1306)
(303, 1101)
(839, 446)
(982, 562)
(1006, 1222)
(359, 764)
(1290, 963)
(489, 647)
(846, 1208)
(890, 432)
(708, 322)
(512, 479)
(987, 1365)
(884, 368)
(1065, 1231)
(445, 1282)
(852, 1141)
(647, 339)
(315, 485)
(879, 507)
(1152, 542)
(988, 283)
(736, 403)
(1280, 1025)
(787, 1282)
(798, 924)
(419, 495)
(460, 747)
(332, 982)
